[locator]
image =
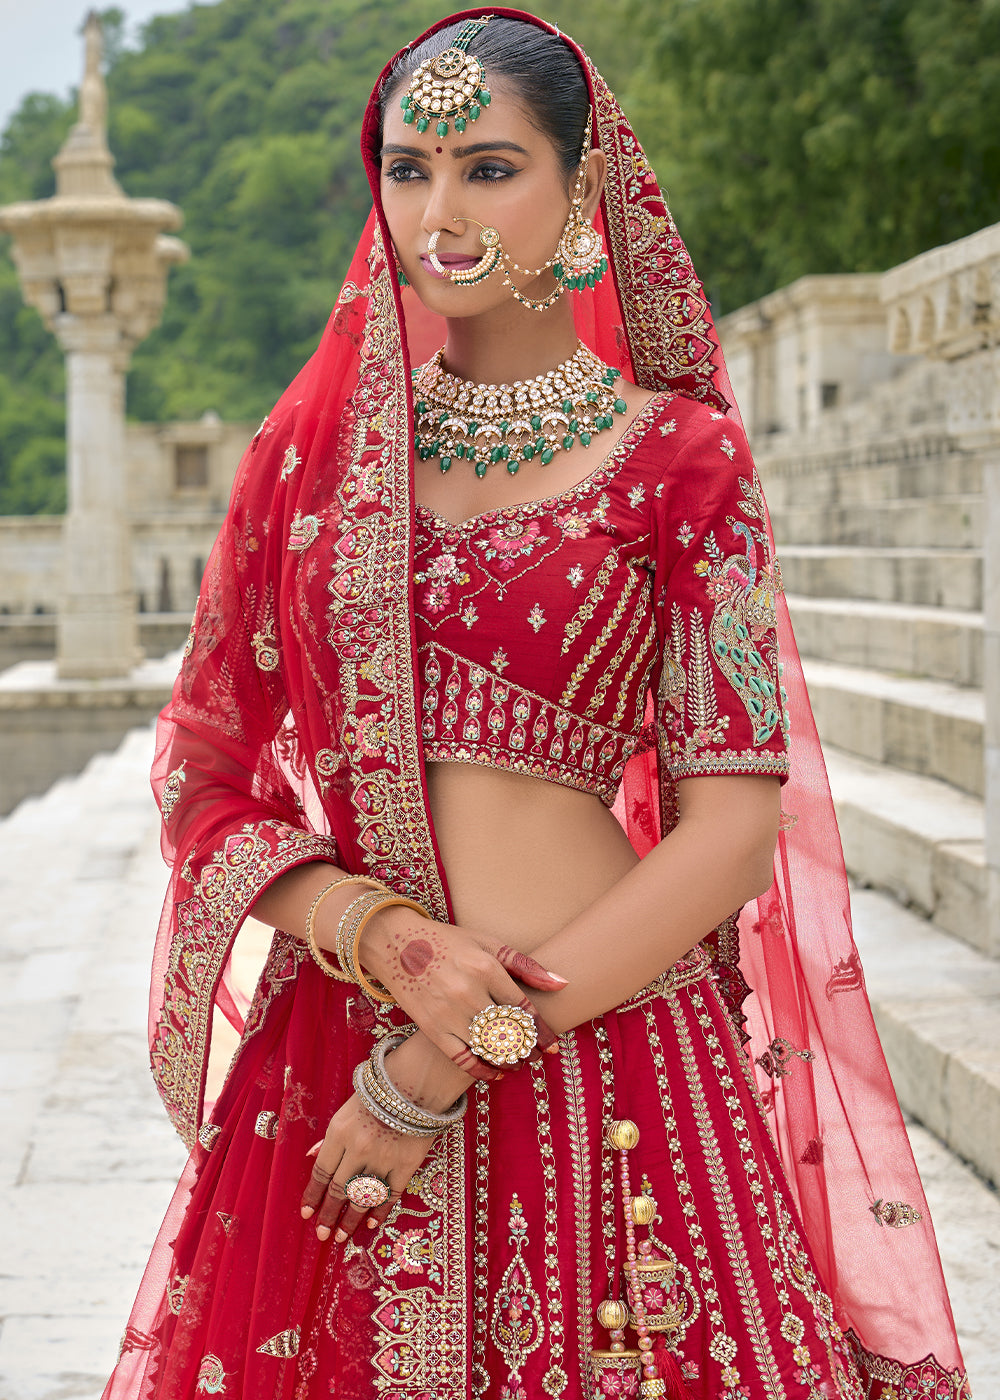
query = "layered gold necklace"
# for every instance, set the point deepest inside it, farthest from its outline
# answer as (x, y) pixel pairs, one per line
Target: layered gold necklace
(485, 424)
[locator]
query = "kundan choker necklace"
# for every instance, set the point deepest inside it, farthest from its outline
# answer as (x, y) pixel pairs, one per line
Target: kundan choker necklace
(512, 423)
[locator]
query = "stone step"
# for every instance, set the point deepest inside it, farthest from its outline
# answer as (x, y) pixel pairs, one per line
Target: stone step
(917, 838)
(947, 522)
(937, 1008)
(940, 578)
(836, 481)
(938, 643)
(926, 727)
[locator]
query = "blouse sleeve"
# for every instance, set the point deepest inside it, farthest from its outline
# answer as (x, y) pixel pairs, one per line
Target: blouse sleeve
(720, 701)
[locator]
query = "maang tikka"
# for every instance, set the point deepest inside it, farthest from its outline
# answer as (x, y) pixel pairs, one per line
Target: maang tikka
(451, 87)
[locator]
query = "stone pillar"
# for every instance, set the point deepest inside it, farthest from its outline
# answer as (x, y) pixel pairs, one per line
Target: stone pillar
(97, 625)
(991, 655)
(95, 263)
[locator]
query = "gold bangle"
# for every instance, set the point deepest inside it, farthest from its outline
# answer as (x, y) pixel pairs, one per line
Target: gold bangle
(372, 988)
(319, 957)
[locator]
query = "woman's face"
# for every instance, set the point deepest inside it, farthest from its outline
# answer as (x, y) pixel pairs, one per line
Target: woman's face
(501, 171)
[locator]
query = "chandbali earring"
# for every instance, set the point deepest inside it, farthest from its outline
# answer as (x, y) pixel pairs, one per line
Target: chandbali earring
(469, 276)
(451, 87)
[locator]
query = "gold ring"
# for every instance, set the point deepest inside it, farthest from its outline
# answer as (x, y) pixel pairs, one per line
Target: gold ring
(502, 1035)
(367, 1191)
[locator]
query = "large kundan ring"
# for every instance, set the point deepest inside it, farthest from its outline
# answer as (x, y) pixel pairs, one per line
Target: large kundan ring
(367, 1191)
(502, 1035)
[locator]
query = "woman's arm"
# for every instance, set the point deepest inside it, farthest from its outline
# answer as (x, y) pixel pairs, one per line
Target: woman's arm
(718, 856)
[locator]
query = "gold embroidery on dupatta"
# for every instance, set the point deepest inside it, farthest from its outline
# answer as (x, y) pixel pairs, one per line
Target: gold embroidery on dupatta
(372, 576)
(663, 303)
(207, 922)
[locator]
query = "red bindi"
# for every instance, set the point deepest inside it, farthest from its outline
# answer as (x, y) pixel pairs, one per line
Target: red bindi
(439, 149)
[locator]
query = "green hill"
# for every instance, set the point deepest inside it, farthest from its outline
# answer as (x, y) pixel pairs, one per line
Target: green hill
(827, 136)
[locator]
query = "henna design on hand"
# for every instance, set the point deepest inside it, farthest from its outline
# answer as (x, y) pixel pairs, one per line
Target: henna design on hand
(416, 957)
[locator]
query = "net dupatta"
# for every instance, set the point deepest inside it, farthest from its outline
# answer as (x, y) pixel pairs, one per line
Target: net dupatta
(293, 735)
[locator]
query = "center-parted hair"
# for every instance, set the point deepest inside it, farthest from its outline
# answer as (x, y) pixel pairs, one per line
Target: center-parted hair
(545, 72)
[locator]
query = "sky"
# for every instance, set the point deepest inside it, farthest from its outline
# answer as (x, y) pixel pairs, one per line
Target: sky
(42, 48)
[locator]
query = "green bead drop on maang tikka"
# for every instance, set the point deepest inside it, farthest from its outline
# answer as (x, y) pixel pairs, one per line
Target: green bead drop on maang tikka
(448, 88)
(486, 424)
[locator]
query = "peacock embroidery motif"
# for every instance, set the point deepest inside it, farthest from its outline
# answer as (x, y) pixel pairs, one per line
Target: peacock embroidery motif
(741, 635)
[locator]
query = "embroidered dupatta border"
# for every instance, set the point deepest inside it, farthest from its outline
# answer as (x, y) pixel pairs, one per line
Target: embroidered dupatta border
(208, 920)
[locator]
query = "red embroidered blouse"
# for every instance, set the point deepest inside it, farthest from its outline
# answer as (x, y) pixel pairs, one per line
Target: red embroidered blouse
(541, 628)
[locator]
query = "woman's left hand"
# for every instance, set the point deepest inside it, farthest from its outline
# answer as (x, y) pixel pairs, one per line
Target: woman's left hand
(356, 1143)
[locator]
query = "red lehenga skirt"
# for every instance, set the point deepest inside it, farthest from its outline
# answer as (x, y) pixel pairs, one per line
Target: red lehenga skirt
(485, 1281)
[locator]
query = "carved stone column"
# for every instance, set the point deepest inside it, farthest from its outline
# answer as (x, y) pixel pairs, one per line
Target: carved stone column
(94, 263)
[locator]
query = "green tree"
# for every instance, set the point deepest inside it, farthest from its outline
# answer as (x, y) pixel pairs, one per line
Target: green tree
(802, 136)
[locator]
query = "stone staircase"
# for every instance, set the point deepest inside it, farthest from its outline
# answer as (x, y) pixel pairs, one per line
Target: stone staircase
(881, 554)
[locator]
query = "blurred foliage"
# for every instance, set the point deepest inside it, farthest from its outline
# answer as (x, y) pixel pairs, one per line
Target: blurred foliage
(799, 136)
(793, 137)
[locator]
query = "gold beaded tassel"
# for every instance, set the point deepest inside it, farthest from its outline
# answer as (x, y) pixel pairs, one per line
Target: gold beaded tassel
(659, 1376)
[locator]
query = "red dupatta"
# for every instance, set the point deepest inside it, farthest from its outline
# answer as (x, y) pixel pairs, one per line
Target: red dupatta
(293, 735)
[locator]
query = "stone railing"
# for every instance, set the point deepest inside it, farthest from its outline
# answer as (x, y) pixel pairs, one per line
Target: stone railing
(946, 303)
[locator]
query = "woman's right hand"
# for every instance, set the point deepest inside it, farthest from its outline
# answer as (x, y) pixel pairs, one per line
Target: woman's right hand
(442, 975)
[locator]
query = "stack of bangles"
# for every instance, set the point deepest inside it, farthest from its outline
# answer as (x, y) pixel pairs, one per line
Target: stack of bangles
(384, 1101)
(376, 896)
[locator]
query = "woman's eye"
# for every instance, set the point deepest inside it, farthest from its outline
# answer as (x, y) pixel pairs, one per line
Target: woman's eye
(491, 172)
(401, 172)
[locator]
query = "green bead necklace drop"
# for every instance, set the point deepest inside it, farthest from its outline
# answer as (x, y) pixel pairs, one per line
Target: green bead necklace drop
(486, 424)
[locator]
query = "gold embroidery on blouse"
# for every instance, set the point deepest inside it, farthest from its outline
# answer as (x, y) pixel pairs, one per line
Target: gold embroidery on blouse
(589, 605)
(602, 639)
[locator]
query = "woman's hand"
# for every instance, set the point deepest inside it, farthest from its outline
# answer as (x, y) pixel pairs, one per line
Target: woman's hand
(356, 1142)
(442, 975)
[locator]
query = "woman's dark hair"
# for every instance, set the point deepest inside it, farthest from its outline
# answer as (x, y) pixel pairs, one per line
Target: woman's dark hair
(544, 70)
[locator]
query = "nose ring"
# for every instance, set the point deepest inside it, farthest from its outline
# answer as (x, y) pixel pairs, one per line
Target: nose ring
(436, 263)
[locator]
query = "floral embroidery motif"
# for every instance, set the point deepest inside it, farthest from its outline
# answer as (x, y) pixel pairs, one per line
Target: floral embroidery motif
(266, 648)
(303, 531)
(283, 1344)
(846, 976)
(175, 1293)
(172, 791)
(575, 576)
(670, 426)
(266, 1125)
(441, 575)
(207, 1134)
(685, 534)
(469, 615)
(777, 1058)
(536, 618)
(290, 461)
(499, 660)
(896, 1214)
(636, 496)
(507, 543)
(517, 1328)
(211, 1376)
(728, 448)
(575, 525)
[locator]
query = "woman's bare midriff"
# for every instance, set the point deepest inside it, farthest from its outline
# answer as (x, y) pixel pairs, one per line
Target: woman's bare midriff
(522, 856)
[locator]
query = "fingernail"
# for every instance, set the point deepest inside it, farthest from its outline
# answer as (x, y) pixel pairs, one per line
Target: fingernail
(340, 1236)
(315, 1148)
(323, 1231)
(308, 1212)
(373, 1224)
(556, 978)
(552, 1049)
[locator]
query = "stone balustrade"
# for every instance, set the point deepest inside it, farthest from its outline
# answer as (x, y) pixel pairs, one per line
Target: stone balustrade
(946, 302)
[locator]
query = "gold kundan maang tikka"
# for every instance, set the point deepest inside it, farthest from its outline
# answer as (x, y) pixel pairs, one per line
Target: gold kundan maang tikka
(451, 87)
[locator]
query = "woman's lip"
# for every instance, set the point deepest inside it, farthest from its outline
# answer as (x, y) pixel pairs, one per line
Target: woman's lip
(449, 260)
